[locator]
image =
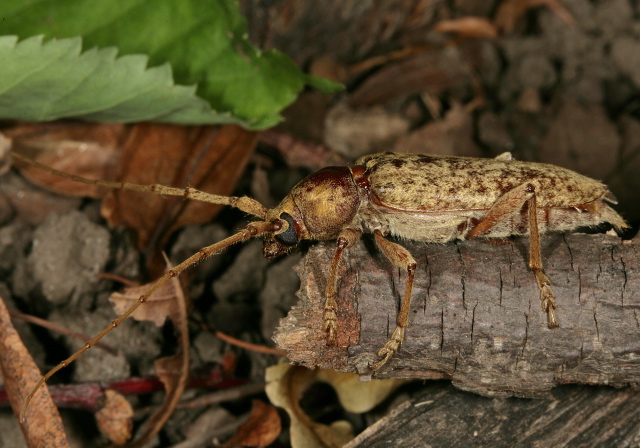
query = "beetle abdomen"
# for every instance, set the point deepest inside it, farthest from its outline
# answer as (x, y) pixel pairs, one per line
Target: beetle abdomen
(440, 198)
(427, 183)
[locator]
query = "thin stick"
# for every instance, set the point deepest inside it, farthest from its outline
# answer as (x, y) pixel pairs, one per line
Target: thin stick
(238, 343)
(60, 329)
(212, 398)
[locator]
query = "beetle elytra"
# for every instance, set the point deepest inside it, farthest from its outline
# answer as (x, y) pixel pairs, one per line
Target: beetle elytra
(410, 196)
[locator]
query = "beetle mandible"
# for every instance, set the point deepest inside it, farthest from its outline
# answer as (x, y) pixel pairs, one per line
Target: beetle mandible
(420, 197)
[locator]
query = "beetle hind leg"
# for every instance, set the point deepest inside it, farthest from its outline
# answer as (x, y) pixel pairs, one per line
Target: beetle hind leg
(535, 263)
(510, 204)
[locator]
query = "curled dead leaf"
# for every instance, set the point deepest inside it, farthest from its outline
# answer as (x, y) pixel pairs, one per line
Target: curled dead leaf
(287, 383)
(114, 417)
(355, 395)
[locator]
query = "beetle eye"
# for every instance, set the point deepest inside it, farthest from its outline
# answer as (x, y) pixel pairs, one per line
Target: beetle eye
(289, 237)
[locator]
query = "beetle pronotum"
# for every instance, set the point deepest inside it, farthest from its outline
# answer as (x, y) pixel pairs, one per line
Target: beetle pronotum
(412, 196)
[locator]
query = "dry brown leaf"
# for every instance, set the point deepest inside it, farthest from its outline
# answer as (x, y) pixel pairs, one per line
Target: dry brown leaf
(42, 426)
(453, 135)
(434, 71)
(114, 417)
(173, 371)
(88, 150)
(156, 309)
(287, 383)
(468, 27)
(582, 138)
(510, 11)
(5, 149)
(209, 158)
(261, 429)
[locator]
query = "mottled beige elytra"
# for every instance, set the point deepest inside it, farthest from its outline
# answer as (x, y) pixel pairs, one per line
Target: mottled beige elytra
(410, 196)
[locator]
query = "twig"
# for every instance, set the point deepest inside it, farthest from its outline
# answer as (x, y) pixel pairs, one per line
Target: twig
(118, 278)
(60, 329)
(87, 396)
(221, 396)
(238, 343)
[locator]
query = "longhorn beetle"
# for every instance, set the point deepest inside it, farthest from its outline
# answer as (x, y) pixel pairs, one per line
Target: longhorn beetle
(412, 196)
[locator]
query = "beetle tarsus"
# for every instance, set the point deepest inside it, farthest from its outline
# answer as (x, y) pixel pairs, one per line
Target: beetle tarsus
(390, 348)
(330, 320)
(547, 298)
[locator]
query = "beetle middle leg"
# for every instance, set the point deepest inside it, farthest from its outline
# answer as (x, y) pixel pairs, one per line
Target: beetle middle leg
(346, 239)
(510, 204)
(401, 258)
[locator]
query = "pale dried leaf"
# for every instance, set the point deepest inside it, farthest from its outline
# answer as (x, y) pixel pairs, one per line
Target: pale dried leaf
(5, 148)
(355, 395)
(285, 385)
(114, 418)
(157, 307)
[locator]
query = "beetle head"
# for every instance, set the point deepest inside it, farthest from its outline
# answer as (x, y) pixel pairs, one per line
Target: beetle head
(318, 208)
(288, 226)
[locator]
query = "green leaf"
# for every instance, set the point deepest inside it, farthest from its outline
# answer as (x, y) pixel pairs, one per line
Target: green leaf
(45, 82)
(204, 41)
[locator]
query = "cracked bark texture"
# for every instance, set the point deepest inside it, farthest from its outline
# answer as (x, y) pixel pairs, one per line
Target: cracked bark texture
(437, 415)
(476, 316)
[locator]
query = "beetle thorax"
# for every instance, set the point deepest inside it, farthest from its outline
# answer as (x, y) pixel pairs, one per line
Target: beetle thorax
(318, 208)
(328, 202)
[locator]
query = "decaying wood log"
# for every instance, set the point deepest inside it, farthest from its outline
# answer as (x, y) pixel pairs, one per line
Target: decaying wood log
(476, 315)
(574, 416)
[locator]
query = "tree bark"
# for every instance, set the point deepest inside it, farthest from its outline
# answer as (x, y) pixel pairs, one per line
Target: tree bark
(575, 416)
(476, 316)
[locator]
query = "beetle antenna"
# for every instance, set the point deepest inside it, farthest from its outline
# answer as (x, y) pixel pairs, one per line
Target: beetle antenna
(254, 229)
(246, 204)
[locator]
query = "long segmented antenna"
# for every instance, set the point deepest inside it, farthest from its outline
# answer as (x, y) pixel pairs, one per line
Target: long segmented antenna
(254, 229)
(244, 203)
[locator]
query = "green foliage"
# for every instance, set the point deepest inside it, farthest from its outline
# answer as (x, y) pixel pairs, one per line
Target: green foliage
(203, 40)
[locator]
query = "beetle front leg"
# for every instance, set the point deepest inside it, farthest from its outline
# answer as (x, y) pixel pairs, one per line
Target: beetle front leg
(346, 239)
(401, 258)
(510, 204)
